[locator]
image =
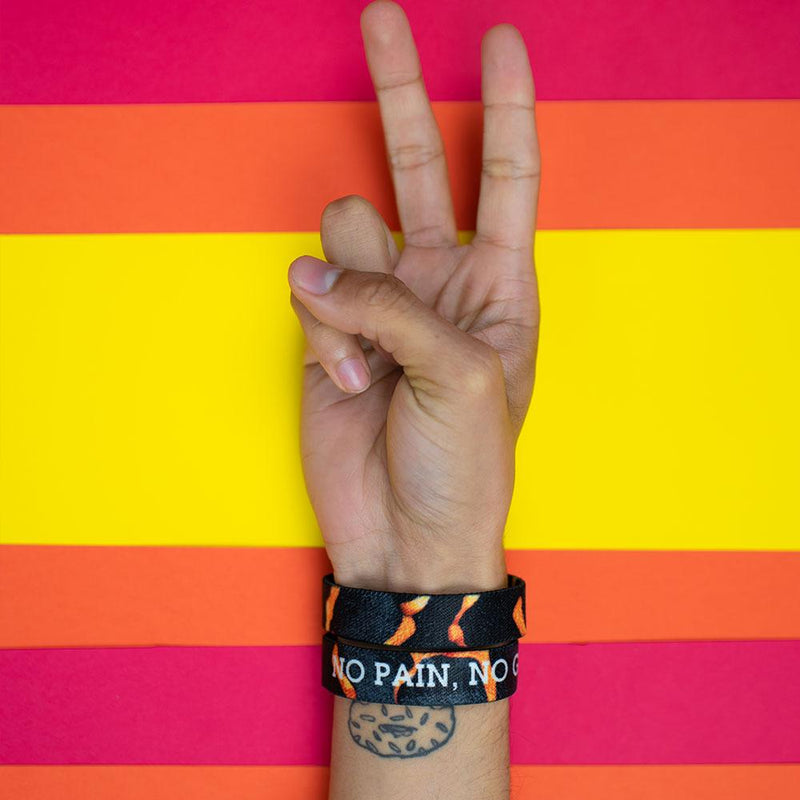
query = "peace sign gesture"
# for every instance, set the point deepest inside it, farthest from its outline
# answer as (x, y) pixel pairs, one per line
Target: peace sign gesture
(411, 471)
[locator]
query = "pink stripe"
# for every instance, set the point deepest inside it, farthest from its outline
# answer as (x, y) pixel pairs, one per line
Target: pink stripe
(614, 703)
(94, 51)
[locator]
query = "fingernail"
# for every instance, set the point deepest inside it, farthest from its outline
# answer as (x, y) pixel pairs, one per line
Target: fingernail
(313, 275)
(353, 374)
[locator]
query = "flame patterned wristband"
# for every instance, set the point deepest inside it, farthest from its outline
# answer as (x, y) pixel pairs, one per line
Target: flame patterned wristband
(394, 676)
(425, 621)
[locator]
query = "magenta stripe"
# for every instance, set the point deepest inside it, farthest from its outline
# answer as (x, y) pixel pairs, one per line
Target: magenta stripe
(620, 703)
(95, 51)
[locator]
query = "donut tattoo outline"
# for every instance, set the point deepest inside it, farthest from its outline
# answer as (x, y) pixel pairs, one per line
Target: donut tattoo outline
(391, 731)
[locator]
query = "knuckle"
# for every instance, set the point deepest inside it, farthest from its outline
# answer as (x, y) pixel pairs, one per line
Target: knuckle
(345, 205)
(513, 169)
(434, 235)
(412, 156)
(399, 81)
(385, 292)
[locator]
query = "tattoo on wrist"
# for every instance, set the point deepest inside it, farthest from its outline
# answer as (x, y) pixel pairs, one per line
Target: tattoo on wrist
(392, 731)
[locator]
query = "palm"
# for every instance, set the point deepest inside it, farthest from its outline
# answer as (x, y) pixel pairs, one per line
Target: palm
(344, 436)
(366, 455)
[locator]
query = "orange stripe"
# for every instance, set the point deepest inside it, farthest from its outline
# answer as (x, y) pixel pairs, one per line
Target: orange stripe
(163, 783)
(62, 596)
(709, 782)
(273, 166)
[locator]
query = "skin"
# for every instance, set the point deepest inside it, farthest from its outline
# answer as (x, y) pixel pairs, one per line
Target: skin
(411, 477)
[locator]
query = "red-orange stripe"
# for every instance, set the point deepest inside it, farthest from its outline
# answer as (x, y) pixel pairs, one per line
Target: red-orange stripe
(64, 596)
(273, 166)
(528, 782)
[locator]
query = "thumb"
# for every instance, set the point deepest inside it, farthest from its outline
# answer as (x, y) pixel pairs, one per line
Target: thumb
(437, 357)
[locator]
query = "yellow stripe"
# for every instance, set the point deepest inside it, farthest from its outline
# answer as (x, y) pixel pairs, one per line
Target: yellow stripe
(150, 392)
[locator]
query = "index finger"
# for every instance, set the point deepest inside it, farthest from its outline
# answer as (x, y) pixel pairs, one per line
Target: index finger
(413, 141)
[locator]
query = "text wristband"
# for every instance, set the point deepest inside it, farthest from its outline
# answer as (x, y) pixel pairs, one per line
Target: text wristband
(395, 676)
(425, 621)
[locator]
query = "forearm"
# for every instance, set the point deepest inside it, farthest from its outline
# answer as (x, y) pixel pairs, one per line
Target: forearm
(472, 762)
(383, 752)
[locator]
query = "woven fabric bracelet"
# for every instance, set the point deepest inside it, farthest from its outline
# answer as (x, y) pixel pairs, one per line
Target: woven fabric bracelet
(425, 621)
(401, 677)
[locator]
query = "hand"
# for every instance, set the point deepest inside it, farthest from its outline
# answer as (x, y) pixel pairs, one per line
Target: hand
(411, 477)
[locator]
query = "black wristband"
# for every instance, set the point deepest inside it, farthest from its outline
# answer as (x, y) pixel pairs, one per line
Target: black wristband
(397, 676)
(425, 621)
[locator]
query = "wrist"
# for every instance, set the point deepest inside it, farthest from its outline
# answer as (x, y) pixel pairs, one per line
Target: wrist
(424, 574)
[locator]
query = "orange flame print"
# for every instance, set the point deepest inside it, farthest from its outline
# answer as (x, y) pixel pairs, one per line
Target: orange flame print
(347, 687)
(519, 618)
(405, 630)
(454, 632)
(329, 604)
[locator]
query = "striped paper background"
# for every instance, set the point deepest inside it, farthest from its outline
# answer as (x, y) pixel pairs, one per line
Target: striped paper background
(159, 561)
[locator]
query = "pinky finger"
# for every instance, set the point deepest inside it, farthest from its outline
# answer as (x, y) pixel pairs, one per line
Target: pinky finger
(339, 354)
